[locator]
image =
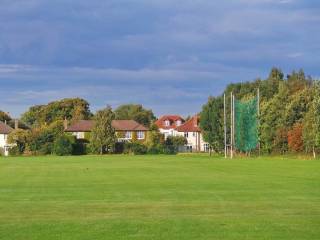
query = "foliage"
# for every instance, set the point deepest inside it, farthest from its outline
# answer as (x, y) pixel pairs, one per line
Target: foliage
(4, 117)
(20, 138)
(41, 139)
(63, 145)
(103, 137)
(154, 137)
(211, 123)
(135, 148)
(69, 108)
(295, 142)
(135, 112)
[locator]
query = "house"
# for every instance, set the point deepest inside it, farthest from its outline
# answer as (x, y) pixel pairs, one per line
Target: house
(168, 123)
(4, 132)
(192, 132)
(126, 130)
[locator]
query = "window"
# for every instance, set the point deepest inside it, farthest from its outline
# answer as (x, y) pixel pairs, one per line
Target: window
(128, 135)
(80, 135)
(186, 135)
(206, 147)
(194, 134)
(140, 135)
(179, 123)
(167, 123)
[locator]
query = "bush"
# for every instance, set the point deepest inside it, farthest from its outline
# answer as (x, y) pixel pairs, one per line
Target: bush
(79, 147)
(170, 150)
(135, 148)
(158, 149)
(14, 151)
(63, 146)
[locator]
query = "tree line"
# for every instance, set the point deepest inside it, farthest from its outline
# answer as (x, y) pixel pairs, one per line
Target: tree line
(289, 119)
(42, 131)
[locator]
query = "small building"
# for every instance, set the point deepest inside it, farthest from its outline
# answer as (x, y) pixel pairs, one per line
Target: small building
(5, 130)
(168, 123)
(126, 130)
(192, 132)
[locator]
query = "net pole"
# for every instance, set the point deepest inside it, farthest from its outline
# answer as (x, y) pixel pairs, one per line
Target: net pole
(258, 113)
(231, 126)
(225, 125)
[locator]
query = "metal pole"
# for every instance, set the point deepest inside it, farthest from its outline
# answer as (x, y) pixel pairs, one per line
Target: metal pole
(234, 126)
(231, 126)
(225, 125)
(258, 109)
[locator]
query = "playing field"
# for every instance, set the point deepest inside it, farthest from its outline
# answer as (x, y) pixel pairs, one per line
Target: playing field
(159, 197)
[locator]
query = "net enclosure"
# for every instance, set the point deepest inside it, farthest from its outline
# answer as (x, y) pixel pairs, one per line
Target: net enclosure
(246, 125)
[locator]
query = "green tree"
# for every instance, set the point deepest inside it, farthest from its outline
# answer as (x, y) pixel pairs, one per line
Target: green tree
(211, 123)
(103, 137)
(135, 112)
(63, 145)
(4, 117)
(70, 108)
(20, 138)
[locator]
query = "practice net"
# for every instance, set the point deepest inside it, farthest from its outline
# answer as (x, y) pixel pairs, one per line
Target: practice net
(246, 125)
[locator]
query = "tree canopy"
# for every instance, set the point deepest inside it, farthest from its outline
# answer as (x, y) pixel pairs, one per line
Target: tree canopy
(69, 108)
(135, 112)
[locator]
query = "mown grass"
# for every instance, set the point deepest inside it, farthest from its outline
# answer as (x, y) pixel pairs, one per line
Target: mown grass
(159, 197)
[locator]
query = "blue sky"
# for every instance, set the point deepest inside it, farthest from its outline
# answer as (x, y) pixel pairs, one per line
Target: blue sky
(168, 55)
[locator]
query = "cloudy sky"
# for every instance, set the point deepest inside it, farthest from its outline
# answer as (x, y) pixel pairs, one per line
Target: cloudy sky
(169, 55)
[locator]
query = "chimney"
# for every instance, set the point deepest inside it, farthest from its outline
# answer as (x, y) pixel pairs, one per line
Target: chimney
(16, 124)
(195, 121)
(65, 123)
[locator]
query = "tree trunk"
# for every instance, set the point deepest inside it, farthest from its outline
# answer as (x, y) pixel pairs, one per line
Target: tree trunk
(101, 150)
(314, 152)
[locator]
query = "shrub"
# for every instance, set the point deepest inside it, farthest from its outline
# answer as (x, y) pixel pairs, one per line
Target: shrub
(157, 149)
(135, 148)
(63, 146)
(79, 147)
(119, 147)
(14, 151)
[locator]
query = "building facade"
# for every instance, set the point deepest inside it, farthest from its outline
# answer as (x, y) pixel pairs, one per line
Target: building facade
(192, 132)
(126, 130)
(167, 124)
(4, 132)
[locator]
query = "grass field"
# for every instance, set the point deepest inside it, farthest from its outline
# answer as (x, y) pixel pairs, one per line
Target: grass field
(159, 197)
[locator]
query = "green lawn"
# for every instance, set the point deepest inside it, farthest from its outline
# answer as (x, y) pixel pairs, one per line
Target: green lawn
(159, 197)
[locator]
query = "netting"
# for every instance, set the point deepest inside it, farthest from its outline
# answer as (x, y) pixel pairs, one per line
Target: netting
(246, 125)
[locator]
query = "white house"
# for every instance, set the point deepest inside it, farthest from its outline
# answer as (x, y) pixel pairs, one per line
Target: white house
(4, 132)
(167, 124)
(192, 132)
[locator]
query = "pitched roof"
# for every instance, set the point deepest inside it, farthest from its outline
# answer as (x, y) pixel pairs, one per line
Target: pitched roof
(4, 128)
(119, 125)
(172, 118)
(192, 125)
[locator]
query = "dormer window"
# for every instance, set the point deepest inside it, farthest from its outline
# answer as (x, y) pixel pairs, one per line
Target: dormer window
(178, 123)
(167, 123)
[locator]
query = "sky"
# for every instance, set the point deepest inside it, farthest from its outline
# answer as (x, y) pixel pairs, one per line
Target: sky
(169, 55)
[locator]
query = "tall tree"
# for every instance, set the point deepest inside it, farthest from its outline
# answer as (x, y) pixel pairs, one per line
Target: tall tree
(4, 117)
(70, 108)
(211, 123)
(135, 112)
(103, 137)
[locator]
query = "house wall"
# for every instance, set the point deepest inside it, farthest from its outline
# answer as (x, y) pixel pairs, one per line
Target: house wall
(3, 143)
(120, 135)
(167, 132)
(195, 140)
